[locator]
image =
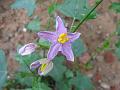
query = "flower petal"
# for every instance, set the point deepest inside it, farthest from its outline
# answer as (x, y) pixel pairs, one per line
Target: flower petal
(51, 36)
(73, 36)
(53, 50)
(27, 49)
(46, 70)
(44, 61)
(67, 51)
(35, 65)
(60, 28)
(38, 63)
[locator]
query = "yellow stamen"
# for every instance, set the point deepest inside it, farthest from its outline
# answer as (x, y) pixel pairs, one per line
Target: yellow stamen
(63, 38)
(43, 67)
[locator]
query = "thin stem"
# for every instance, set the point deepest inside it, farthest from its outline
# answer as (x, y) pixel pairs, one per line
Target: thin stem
(72, 24)
(81, 22)
(28, 66)
(44, 53)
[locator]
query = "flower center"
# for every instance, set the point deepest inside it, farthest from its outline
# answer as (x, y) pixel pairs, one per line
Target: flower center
(63, 38)
(43, 67)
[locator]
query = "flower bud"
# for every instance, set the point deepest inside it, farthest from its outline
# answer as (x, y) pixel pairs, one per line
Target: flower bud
(27, 49)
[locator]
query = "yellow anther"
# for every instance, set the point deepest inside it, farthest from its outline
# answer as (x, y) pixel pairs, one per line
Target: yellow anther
(43, 67)
(63, 38)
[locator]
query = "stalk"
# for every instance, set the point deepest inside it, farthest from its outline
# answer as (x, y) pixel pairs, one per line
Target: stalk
(84, 19)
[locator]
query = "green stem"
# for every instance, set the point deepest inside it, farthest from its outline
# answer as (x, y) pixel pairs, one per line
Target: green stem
(81, 22)
(72, 24)
(28, 67)
(44, 53)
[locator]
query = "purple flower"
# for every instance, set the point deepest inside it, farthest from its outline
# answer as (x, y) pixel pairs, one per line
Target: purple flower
(60, 39)
(27, 49)
(44, 66)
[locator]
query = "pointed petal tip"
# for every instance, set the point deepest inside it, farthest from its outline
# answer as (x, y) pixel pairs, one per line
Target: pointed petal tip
(35, 65)
(39, 34)
(74, 36)
(67, 51)
(39, 72)
(71, 60)
(78, 33)
(60, 27)
(58, 17)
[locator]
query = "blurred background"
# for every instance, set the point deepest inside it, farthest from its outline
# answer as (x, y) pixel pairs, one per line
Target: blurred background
(16, 29)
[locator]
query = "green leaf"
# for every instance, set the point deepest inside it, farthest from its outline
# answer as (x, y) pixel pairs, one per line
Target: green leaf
(76, 9)
(28, 58)
(34, 25)
(117, 52)
(117, 49)
(58, 68)
(106, 44)
(25, 61)
(78, 47)
(41, 86)
(29, 5)
(3, 69)
(69, 74)
(118, 28)
(28, 89)
(115, 6)
(25, 76)
(63, 85)
(37, 85)
(44, 43)
(82, 82)
(88, 65)
(25, 79)
(52, 8)
(118, 44)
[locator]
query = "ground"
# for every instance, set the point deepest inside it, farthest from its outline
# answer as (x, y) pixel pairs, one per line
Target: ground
(105, 75)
